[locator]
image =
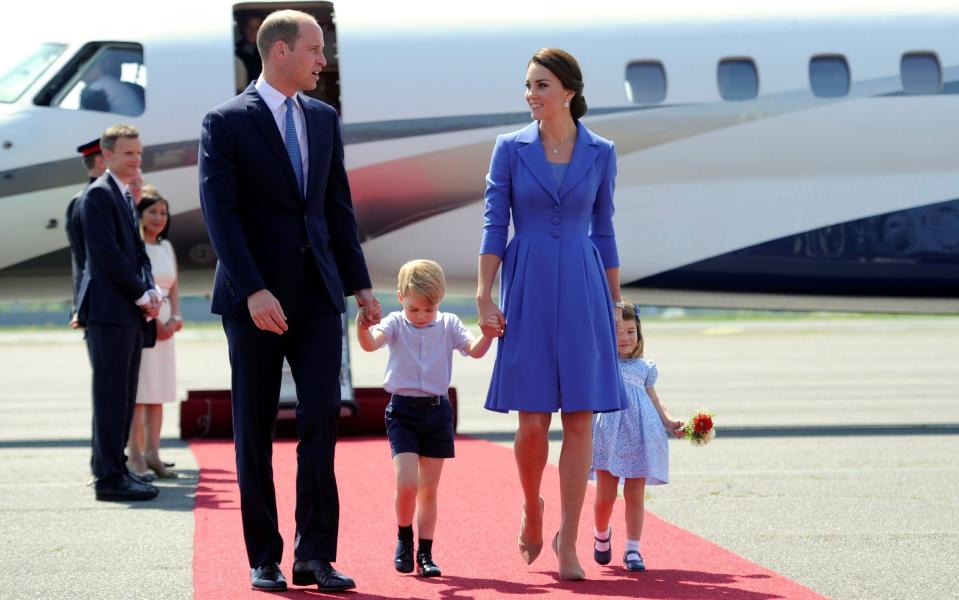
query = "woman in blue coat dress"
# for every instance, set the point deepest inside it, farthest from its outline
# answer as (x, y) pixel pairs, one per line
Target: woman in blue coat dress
(559, 292)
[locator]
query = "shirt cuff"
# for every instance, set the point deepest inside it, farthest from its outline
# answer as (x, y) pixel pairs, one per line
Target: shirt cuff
(144, 299)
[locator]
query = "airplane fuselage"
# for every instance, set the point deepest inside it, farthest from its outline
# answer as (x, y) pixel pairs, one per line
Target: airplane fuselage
(776, 155)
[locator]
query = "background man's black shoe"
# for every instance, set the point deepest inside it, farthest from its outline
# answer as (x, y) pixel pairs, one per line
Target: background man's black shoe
(268, 577)
(425, 566)
(124, 489)
(322, 573)
(403, 556)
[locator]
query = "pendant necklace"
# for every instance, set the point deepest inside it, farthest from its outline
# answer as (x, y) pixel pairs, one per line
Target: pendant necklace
(556, 147)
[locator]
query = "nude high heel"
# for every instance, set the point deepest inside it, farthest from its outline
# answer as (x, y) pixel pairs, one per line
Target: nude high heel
(530, 550)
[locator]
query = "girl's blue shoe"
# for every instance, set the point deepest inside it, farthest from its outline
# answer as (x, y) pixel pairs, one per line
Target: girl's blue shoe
(633, 561)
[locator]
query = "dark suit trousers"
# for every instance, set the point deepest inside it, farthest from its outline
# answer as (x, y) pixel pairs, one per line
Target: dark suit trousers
(313, 347)
(115, 357)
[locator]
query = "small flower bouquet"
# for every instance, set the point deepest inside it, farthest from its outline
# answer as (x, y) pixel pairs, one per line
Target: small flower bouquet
(699, 428)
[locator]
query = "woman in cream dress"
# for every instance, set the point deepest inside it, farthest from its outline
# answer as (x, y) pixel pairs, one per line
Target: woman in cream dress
(157, 385)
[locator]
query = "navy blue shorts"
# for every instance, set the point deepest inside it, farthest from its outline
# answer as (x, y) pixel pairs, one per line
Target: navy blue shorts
(423, 426)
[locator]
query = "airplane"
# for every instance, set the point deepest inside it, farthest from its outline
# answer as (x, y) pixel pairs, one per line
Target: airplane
(799, 151)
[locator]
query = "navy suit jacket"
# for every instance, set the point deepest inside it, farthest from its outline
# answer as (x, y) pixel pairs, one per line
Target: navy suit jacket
(261, 226)
(74, 229)
(116, 272)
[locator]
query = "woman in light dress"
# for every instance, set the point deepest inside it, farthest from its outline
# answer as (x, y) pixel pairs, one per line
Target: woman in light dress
(157, 385)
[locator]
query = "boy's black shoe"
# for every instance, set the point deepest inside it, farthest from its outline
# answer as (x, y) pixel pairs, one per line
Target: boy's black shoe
(425, 567)
(403, 557)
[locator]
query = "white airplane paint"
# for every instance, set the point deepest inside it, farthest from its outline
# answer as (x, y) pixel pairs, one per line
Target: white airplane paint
(864, 186)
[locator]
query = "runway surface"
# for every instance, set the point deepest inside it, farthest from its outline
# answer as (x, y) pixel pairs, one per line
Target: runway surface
(838, 470)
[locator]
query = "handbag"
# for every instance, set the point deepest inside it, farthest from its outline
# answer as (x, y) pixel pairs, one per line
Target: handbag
(149, 333)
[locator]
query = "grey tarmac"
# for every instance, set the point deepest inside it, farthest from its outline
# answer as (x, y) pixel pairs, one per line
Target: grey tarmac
(834, 464)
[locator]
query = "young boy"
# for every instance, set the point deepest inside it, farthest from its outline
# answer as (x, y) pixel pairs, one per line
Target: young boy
(419, 418)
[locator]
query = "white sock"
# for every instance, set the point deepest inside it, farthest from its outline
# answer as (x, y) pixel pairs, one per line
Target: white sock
(632, 545)
(602, 539)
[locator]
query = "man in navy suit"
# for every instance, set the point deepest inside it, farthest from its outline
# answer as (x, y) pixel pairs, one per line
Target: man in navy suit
(94, 165)
(115, 296)
(277, 205)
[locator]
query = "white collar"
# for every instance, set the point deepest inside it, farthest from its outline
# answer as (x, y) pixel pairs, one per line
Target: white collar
(123, 187)
(273, 97)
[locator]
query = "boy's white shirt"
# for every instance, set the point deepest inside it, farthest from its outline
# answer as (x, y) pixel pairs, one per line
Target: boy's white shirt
(421, 358)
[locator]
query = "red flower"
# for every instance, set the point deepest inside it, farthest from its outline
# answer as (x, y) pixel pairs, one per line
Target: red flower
(702, 424)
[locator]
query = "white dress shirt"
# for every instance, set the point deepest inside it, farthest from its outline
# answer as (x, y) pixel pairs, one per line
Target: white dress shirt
(421, 358)
(276, 102)
(145, 298)
(124, 188)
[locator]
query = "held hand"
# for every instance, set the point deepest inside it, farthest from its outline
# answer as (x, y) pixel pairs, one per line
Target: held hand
(677, 428)
(491, 320)
(266, 312)
(152, 308)
(369, 306)
(361, 322)
(164, 330)
(176, 321)
(618, 314)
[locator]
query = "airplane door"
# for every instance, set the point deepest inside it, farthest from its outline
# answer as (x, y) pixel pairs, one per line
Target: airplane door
(247, 18)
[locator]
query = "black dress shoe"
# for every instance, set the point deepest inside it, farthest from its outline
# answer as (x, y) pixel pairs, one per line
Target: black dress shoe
(425, 567)
(124, 489)
(268, 577)
(403, 557)
(322, 573)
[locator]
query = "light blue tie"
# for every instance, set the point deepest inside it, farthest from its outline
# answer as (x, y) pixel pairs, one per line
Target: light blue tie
(293, 146)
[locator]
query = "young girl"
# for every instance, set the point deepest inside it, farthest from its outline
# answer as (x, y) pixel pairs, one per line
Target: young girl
(630, 444)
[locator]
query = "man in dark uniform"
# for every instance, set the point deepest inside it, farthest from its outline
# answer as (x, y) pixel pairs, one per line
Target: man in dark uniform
(93, 163)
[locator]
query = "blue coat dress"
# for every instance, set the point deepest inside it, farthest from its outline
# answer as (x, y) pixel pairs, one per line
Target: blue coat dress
(559, 349)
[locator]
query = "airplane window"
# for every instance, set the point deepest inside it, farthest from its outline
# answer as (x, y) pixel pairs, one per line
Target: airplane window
(19, 71)
(738, 79)
(645, 82)
(113, 80)
(829, 76)
(920, 73)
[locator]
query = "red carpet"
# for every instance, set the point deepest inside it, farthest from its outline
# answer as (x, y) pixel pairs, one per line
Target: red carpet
(475, 539)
